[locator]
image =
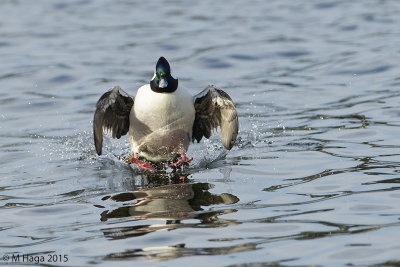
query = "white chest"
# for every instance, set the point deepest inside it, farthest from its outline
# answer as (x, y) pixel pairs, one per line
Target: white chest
(161, 110)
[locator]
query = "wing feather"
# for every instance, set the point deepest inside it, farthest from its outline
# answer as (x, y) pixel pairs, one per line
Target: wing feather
(215, 108)
(111, 115)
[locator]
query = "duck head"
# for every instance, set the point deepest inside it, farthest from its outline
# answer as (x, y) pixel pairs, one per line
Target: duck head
(162, 81)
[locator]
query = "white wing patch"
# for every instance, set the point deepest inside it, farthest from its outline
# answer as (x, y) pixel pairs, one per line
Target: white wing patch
(215, 109)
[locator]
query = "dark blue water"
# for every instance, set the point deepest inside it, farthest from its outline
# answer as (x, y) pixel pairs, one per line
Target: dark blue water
(314, 176)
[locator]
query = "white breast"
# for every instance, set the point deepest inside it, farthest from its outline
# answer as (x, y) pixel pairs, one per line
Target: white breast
(161, 123)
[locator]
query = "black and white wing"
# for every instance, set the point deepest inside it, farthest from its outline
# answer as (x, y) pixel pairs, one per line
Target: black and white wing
(111, 116)
(214, 108)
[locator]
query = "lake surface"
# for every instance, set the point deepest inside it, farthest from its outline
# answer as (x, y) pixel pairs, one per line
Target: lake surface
(314, 178)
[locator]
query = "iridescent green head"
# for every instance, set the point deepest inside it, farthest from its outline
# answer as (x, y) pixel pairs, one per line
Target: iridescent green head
(162, 81)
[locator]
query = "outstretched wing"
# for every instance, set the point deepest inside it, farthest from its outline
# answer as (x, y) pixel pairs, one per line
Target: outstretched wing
(214, 108)
(111, 116)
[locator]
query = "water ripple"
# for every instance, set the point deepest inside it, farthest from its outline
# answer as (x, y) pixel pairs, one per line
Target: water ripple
(313, 177)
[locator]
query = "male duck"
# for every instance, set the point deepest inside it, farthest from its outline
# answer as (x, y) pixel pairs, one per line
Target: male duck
(163, 118)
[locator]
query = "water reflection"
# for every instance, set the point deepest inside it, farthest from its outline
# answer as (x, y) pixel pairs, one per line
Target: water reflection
(179, 250)
(172, 198)
(316, 164)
